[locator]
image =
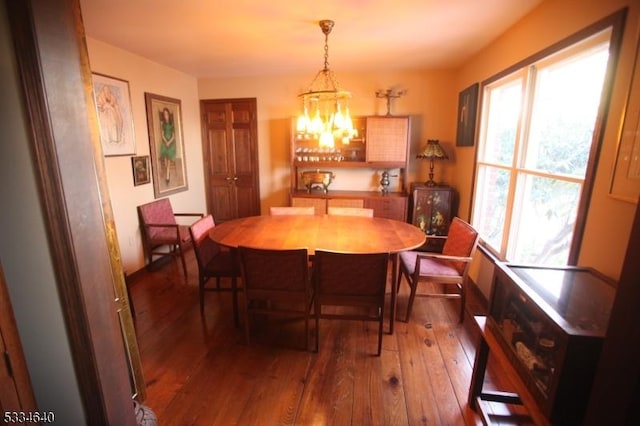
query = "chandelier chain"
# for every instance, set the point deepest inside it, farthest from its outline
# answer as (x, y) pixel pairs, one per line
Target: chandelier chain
(326, 51)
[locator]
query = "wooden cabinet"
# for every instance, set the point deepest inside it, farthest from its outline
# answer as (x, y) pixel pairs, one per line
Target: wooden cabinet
(551, 323)
(387, 140)
(431, 209)
(382, 144)
(389, 206)
(230, 149)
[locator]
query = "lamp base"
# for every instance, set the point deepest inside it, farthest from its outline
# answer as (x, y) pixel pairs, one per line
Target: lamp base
(430, 182)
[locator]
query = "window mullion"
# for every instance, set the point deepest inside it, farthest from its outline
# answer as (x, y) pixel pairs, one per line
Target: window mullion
(513, 201)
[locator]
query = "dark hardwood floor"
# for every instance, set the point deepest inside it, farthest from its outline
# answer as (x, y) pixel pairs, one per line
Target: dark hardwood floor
(199, 371)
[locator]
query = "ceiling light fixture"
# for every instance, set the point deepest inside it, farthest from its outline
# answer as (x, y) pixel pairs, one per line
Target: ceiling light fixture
(325, 106)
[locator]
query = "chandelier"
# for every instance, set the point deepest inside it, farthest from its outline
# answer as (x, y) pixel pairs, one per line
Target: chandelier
(325, 106)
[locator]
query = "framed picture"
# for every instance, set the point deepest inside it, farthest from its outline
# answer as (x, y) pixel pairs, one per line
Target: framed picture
(141, 170)
(113, 102)
(625, 182)
(467, 111)
(168, 162)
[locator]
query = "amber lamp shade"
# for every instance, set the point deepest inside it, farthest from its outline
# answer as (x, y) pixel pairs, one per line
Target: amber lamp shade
(432, 151)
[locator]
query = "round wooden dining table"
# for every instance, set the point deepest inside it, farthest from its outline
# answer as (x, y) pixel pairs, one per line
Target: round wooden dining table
(348, 234)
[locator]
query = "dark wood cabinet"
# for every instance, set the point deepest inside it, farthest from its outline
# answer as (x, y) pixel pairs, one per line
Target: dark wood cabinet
(550, 323)
(431, 209)
(388, 206)
(230, 149)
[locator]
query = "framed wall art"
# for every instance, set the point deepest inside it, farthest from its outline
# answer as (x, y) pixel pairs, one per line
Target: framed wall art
(141, 170)
(168, 161)
(467, 111)
(625, 182)
(113, 104)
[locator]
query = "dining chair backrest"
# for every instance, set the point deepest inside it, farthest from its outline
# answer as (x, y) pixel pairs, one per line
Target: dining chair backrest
(213, 262)
(274, 270)
(205, 248)
(280, 276)
(347, 275)
(461, 240)
(350, 280)
(157, 212)
(307, 211)
(350, 211)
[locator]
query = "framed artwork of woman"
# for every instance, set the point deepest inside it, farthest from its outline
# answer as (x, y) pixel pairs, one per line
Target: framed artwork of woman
(113, 105)
(164, 121)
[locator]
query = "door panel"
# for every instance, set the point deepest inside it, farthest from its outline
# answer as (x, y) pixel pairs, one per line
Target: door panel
(243, 151)
(245, 197)
(223, 202)
(230, 140)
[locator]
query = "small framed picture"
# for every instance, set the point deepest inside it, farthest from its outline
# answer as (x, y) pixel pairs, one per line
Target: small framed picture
(113, 104)
(141, 170)
(467, 111)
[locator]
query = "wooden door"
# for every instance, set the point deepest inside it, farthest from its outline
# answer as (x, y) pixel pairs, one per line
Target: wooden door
(230, 149)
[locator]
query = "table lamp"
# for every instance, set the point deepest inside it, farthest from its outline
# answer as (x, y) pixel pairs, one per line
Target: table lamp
(433, 151)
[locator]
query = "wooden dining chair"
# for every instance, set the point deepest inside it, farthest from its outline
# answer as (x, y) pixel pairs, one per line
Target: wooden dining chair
(350, 281)
(449, 268)
(214, 262)
(161, 233)
(350, 211)
(306, 211)
(276, 283)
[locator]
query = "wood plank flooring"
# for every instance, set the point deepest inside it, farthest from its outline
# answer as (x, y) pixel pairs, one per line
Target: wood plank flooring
(199, 370)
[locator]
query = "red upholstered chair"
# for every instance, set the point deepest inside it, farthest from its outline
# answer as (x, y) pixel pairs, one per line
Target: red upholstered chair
(161, 234)
(214, 262)
(350, 281)
(449, 268)
(276, 282)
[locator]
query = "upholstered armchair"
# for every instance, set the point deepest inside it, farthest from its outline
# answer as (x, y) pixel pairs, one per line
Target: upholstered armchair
(161, 233)
(449, 268)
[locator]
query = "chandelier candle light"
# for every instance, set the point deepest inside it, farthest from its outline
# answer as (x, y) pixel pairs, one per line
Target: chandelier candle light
(433, 151)
(325, 106)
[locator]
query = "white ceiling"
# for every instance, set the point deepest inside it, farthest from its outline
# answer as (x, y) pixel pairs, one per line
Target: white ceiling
(218, 38)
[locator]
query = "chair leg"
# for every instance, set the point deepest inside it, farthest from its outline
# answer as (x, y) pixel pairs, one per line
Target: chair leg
(184, 263)
(463, 299)
(412, 297)
(306, 331)
(246, 322)
(234, 295)
(201, 283)
(316, 310)
(380, 326)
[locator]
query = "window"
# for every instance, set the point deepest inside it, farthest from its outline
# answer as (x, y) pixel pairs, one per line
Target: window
(535, 143)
